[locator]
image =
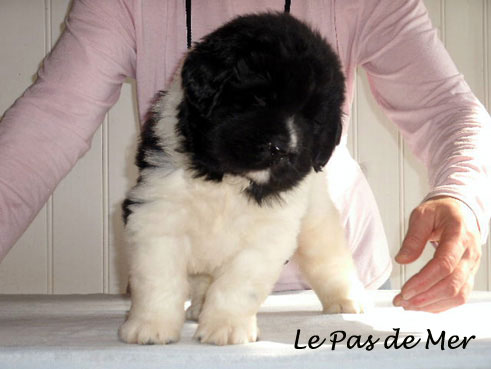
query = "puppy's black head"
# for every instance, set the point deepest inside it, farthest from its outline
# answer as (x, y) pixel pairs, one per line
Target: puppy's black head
(262, 100)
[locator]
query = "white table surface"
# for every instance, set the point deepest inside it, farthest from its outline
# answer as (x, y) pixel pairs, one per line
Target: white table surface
(80, 331)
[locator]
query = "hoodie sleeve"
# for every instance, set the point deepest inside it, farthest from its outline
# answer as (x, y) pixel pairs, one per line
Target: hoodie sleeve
(420, 89)
(51, 126)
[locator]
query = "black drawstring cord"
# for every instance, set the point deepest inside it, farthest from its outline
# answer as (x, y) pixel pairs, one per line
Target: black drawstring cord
(189, 35)
(288, 3)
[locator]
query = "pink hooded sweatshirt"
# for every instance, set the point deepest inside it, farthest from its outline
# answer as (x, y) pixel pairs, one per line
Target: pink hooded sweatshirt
(105, 41)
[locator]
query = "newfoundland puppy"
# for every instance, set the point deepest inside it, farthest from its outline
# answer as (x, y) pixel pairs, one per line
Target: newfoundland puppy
(231, 184)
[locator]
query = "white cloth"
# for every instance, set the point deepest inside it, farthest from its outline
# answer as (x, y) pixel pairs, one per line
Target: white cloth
(81, 332)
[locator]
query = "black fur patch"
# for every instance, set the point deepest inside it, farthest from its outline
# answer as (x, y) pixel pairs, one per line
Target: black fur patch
(149, 141)
(126, 209)
(242, 83)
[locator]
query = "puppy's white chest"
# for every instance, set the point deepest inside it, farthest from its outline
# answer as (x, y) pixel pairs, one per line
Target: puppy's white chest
(215, 209)
(222, 222)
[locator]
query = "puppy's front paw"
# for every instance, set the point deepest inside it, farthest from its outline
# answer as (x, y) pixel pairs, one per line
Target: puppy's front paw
(344, 305)
(355, 302)
(149, 332)
(219, 330)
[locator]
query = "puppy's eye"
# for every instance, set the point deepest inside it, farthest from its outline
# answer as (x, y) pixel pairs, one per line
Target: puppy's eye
(259, 101)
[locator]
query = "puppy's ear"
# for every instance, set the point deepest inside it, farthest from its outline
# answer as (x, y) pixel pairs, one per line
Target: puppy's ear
(326, 138)
(203, 77)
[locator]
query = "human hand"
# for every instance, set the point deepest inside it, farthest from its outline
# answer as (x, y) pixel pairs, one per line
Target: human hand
(446, 280)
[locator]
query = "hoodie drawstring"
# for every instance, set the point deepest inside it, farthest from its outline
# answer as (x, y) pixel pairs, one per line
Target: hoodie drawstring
(189, 35)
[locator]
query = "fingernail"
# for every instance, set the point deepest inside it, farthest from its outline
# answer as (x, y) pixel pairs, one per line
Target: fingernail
(397, 301)
(402, 254)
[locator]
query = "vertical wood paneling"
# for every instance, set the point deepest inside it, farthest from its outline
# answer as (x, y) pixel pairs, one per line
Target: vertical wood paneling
(122, 139)
(48, 44)
(415, 186)
(464, 40)
(105, 204)
(380, 163)
(77, 212)
(24, 270)
(487, 69)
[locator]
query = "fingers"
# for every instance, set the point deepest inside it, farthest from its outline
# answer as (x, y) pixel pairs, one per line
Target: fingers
(447, 256)
(419, 231)
(451, 287)
(441, 305)
(447, 279)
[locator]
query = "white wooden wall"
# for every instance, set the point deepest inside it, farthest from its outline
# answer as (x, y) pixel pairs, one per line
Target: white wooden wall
(75, 244)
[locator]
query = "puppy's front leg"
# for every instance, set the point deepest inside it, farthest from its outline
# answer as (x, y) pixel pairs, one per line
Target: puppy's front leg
(324, 257)
(158, 291)
(234, 297)
(326, 263)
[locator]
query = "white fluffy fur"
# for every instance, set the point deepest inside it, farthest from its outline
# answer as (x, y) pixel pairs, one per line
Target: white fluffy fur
(192, 236)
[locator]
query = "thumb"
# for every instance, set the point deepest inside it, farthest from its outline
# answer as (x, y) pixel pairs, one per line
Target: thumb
(418, 233)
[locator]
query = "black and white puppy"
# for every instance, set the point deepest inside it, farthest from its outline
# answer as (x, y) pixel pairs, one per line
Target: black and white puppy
(231, 184)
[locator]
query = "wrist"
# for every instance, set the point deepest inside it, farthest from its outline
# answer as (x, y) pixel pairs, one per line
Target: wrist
(468, 214)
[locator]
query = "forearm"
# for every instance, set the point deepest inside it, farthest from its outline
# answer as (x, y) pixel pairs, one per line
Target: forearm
(421, 90)
(460, 164)
(38, 147)
(51, 126)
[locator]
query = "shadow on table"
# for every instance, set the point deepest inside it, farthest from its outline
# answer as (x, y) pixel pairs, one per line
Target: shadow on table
(301, 326)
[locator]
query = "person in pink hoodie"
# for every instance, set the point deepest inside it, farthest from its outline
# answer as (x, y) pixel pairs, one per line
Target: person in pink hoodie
(411, 76)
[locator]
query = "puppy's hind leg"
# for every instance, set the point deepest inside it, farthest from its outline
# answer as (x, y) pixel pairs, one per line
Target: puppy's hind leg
(324, 258)
(199, 284)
